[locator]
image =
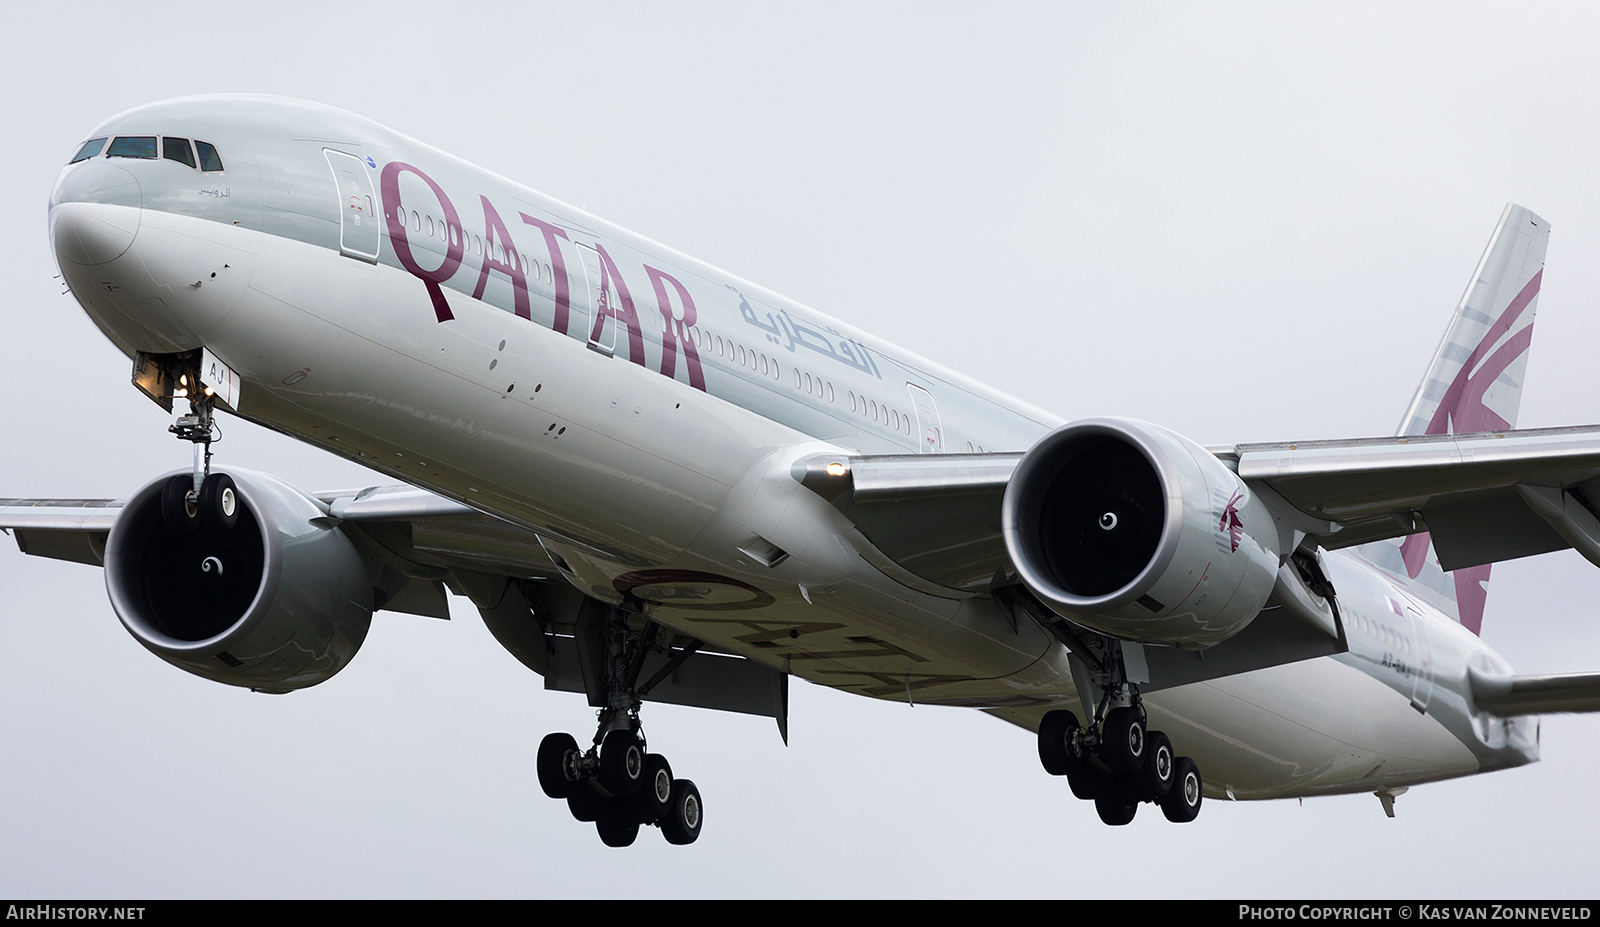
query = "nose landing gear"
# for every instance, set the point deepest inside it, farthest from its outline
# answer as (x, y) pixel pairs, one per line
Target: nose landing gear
(203, 496)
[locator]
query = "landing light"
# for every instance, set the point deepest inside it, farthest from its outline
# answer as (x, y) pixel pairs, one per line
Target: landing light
(836, 469)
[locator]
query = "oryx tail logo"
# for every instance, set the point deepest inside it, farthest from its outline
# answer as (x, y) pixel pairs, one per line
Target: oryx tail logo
(1230, 523)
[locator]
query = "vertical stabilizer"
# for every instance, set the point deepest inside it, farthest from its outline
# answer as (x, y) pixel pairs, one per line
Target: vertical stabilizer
(1475, 384)
(1475, 380)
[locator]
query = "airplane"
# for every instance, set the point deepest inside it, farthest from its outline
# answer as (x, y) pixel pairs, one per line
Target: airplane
(658, 482)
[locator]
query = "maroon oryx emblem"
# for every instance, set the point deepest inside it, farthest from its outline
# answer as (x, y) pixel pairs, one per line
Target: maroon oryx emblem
(1230, 522)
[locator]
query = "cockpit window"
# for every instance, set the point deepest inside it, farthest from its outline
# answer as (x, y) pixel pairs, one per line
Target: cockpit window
(133, 146)
(209, 159)
(177, 149)
(90, 149)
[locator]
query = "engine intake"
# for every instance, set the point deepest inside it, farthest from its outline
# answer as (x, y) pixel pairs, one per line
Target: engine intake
(1134, 531)
(278, 602)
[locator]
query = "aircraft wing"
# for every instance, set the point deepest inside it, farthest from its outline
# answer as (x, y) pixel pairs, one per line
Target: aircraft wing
(61, 529)
(427, 529)
(1484, 497)
(427, 543)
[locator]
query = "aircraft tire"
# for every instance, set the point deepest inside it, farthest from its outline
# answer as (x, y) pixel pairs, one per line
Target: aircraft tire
(1182, 804)
(1115, 811)
(176, 512)
(552, 764)
(683, 820)
(616, 825)
(1086, 783)
(219, 502)
(1122, 746)
(654, 799)
(621, 763)
(1055, 742)
(1160, 767)
(584, 804)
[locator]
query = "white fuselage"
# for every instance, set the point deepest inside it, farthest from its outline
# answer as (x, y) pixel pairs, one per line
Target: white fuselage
(642, 412)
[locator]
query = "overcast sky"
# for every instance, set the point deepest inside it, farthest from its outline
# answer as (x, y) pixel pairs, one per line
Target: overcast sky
(1245, 222)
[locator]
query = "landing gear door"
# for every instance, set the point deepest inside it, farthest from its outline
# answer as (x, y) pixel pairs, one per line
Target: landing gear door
(930, 437)
(358, 216)
(602, 326)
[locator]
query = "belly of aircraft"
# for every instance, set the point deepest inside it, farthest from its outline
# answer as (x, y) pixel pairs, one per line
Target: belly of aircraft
(1305, 729)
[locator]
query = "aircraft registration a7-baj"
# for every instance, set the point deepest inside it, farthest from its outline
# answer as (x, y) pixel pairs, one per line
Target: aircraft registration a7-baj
(658, 482)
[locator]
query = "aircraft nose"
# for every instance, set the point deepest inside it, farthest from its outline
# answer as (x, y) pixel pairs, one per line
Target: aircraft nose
(95, 212)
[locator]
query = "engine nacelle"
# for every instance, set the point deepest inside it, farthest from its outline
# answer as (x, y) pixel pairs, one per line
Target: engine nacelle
(1134, 531)
(277, 602)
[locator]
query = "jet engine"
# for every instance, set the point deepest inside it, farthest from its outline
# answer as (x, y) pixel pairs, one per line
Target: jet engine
(1129, 529)
(279, 600)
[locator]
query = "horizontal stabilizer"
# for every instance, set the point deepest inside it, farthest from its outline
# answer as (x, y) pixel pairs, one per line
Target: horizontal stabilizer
(1508, 696)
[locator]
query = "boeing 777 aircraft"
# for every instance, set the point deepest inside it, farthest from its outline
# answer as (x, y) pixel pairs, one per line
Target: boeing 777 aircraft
(658, 482)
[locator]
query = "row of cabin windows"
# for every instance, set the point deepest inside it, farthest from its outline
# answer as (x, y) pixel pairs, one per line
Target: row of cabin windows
(1397, 643)
(196, 155)
(756, 361)
(881, 413)
(738, 353)
(453, 235)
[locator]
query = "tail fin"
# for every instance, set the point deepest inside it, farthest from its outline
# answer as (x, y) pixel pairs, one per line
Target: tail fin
(1475, 384)
(1475, 380)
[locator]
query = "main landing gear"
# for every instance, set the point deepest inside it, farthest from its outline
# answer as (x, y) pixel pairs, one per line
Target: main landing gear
(1119, 763)
(1116, 762)
(620, 788)
(617, 784)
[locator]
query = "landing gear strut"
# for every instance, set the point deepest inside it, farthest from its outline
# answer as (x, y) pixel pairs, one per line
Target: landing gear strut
(617, 784)
(202, 496)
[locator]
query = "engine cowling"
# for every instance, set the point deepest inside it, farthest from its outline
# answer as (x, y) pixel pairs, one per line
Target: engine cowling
(1137, 532)
(280, 601)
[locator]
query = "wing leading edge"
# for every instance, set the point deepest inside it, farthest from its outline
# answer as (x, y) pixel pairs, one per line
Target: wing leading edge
(1485, 497)
(419, 544)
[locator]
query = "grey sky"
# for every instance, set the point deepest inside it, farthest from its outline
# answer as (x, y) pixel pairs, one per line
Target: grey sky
(1244, 222)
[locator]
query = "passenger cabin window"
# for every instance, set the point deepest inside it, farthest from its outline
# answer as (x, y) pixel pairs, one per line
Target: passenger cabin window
(177, 149)
(210, 161)
(133, 146)
(90, 148)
